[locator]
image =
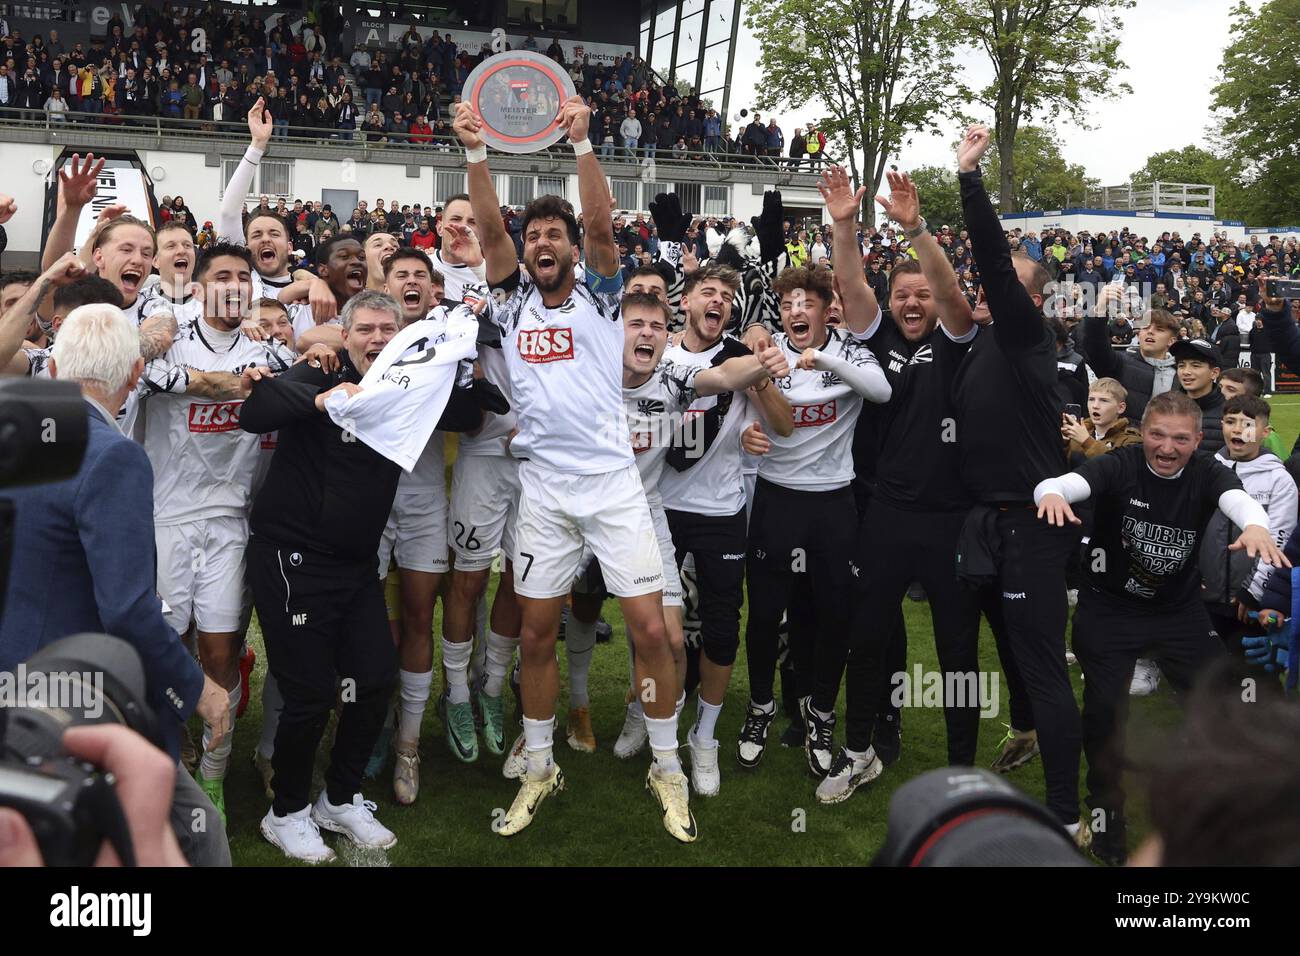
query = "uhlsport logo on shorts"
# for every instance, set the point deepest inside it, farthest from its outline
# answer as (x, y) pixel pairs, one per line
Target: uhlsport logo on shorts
(214, 417)
(545, 345)
(806, 416)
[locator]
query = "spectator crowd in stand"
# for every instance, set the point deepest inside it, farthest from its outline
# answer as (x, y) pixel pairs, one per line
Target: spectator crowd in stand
(315, 88)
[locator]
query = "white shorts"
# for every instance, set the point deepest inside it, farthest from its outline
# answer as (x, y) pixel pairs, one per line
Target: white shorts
(590, 579)
(201, 572)
(484, 505)
(560, 513)
(416, 533)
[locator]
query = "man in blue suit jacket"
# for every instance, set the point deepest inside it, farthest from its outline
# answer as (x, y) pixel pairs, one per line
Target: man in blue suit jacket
(83, 556)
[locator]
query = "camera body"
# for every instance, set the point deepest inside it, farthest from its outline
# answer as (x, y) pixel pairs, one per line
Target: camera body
(82, 680)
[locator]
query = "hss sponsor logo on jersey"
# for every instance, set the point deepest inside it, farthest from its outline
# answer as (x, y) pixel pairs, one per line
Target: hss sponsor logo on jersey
(216, 417)
(806, 416)
(545, 345)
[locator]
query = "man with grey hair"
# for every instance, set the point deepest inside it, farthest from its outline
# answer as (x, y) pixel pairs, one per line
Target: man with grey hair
(315, 530)
(75, 536)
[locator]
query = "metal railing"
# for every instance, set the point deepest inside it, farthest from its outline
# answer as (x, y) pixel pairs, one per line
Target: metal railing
(1155, 197)
(111, 129)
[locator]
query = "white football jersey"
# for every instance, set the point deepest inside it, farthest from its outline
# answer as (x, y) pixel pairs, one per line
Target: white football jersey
(203, 463)
(38, 362)
(460, 283)
(818, 455)
(713, 485)
(187, 310)
(430, 471)
(406, 389)
(654, 412)
(266, 287)
(303, 321)
(566, 375)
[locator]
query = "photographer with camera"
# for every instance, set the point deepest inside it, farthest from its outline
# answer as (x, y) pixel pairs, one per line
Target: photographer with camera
(144, 781)
(87, 548)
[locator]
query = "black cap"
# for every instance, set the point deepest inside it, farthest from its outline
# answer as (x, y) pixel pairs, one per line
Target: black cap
(1196, 349)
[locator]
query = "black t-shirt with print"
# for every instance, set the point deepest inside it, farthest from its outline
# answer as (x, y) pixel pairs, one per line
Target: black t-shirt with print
(919, 462)
(1147, 530)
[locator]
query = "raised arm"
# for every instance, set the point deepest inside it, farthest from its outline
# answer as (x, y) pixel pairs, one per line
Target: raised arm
(1018, 322)
(860, 305)
(745, 371)
(78, 184)
(498, 247)
(230, 221)
(15, 323)
(598, 243)
(1097, 348)
(904, 207)
(864, 375)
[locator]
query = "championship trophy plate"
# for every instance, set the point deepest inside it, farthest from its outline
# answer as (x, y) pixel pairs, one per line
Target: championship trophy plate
(518, 96)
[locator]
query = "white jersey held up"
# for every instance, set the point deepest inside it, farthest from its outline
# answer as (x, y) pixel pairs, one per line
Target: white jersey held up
(404, 394)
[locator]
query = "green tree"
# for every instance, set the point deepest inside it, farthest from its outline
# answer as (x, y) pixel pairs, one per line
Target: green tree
(880, 68)
(1048, 57)
(1193, 164)
(1256, 103)
(1039, 174)
(940, 195)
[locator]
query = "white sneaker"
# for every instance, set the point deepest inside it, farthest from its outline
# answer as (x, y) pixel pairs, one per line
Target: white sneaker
(706, 778)
(355, 820)
(297, 835)
(633, 737)
(516, 764)
(1146, 678)
(846, 774)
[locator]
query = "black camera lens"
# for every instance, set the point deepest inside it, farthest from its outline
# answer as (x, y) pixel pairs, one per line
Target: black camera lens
(84, 679)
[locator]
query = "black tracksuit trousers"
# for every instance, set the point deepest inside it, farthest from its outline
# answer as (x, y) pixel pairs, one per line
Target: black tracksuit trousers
(327, 639)
(896, 547)
(787, 530)
(1108, 640)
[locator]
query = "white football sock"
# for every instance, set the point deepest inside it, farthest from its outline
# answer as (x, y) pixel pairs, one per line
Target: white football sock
(579, 641)
(768, 708)
(663, 742)
(706, 720)
(214, 762)
(500, 652)
(539, 735)
(272, 704)
(819, 713)
(455, 661)
(414, 696)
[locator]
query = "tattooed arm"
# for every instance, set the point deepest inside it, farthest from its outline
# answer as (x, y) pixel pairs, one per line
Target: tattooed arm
(15, 323)
(156, 335)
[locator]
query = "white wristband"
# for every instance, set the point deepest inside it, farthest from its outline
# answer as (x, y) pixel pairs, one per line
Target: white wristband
(476, 155)
(581, 147)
